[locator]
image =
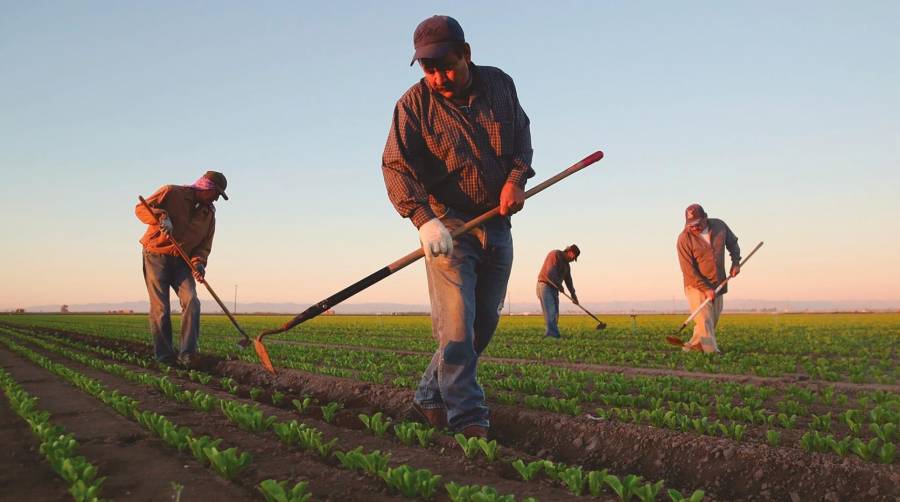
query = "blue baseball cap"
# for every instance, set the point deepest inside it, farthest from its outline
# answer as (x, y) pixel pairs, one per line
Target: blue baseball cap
(435, 36)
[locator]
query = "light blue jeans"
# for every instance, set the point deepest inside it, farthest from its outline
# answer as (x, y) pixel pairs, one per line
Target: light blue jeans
(549, 297)
(162, 272)
(467, 291)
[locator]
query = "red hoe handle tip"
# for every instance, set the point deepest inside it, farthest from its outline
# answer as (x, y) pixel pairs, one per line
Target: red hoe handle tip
(594, 157)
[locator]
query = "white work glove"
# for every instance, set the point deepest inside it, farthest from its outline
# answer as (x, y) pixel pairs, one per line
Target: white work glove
(165, 224)
(435, 238)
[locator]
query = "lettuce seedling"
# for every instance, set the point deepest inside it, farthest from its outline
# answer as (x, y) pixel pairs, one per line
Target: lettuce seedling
(528, 471)
(412, 483)
(489, 448)
(303, 405)
(277, 491)
(469, 445)
(375, 423)
(227, 463)
(676, 496)
(574, 479)
(330, 410)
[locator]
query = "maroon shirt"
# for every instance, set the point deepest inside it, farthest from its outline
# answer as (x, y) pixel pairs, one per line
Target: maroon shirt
(457, 156)
(556, 270)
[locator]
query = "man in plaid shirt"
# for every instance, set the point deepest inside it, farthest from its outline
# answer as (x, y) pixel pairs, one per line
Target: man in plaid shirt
(459, 145)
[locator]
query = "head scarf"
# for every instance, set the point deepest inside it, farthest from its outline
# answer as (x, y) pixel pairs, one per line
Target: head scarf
(205, 184)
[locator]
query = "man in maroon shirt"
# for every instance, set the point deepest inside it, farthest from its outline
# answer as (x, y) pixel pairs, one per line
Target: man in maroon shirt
(554, 273)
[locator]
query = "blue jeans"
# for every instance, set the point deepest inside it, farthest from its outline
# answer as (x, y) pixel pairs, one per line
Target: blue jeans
(467, 291)
(162, 272)
(549, 297)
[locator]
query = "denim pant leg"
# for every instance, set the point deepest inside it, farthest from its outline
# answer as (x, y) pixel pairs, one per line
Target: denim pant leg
(452, 290)
(466, 290)
(549, 297)
(493, 278)
(186, 289)
(157, 275)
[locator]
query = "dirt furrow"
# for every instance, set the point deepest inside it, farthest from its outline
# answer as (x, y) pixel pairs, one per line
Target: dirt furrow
(25, 472)
(272, 459)
(726, 469)
(137, 465)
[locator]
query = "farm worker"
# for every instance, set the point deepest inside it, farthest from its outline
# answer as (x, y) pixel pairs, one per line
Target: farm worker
(188, 216)
(701, 254)
(459, 145)
(554, 273)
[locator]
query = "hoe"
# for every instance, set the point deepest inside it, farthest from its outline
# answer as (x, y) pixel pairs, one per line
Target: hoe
(600, 324)
(244, 342)
(362, 284)
(674, 339)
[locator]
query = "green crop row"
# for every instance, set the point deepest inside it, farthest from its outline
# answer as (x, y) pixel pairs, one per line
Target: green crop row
(56, 445)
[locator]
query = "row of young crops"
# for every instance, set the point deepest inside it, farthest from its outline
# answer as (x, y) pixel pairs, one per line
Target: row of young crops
(852, 348)
(817, 417)
(861, 423)
(229, 462)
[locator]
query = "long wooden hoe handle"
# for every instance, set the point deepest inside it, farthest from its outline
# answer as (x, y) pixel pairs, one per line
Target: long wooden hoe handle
(673, 338)
(246, 340)
(364, 283)
(586, 311)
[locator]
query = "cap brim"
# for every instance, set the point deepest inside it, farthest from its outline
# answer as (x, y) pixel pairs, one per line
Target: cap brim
(433, 51)
(693, 221)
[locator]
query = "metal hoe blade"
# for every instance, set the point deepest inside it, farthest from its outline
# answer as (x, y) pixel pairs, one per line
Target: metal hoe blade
(263, 355)
(673, 339)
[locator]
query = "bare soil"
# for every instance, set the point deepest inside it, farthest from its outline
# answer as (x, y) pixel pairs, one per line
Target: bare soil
(327, 480)
(725, 469)
(137, 465)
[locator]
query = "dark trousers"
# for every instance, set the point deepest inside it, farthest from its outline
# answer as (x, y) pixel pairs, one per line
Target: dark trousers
(162, 272)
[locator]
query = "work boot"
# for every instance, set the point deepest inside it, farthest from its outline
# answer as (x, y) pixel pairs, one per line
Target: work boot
(474, 431)
(186, 361)
(435, 417)
(167, 361)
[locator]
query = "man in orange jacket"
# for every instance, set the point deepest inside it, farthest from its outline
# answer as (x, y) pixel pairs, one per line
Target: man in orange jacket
(187, 215)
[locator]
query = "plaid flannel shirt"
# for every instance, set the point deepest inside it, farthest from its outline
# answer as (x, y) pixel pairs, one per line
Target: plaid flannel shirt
(457, 156)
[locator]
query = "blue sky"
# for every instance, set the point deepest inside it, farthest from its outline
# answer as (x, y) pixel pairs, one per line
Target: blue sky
(783, 119)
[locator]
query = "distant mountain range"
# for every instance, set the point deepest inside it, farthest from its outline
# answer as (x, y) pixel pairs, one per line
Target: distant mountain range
(626, 307)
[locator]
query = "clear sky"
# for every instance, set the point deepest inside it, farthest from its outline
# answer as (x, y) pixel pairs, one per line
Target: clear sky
(781, 118)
